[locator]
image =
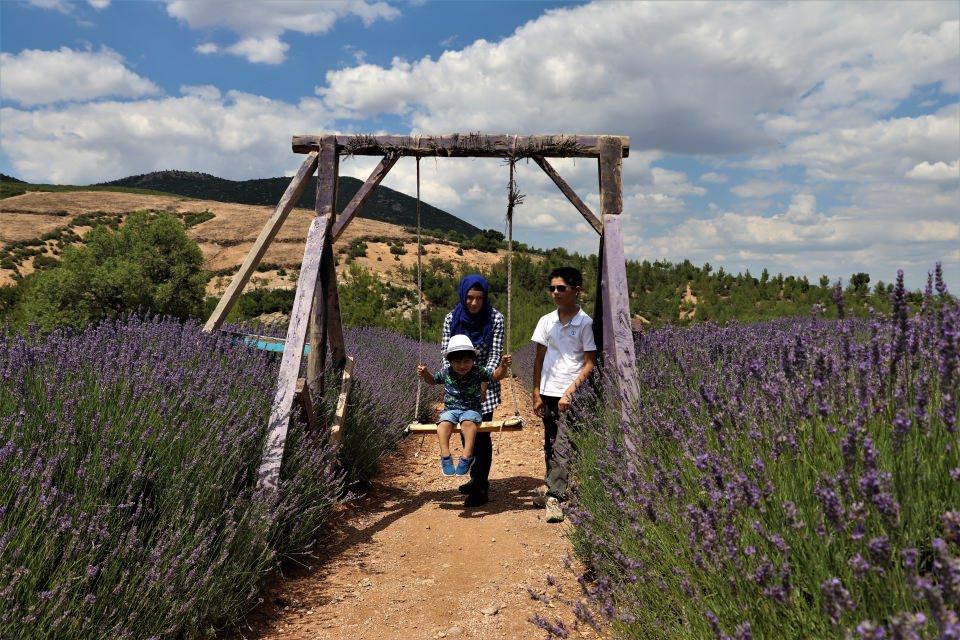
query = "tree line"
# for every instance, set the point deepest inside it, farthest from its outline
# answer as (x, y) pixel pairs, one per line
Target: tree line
(149, 265)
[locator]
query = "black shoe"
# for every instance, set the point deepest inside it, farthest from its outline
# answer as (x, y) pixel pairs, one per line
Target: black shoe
(467, 488)
(476, 499)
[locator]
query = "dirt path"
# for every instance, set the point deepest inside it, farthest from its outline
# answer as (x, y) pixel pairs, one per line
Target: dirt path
(410, 562)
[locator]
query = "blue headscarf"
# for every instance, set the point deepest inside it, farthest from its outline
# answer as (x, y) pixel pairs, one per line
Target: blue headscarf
(477, 326)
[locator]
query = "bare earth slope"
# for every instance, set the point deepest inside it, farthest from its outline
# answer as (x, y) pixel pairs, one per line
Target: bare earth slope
(225, 239)
(410, 562)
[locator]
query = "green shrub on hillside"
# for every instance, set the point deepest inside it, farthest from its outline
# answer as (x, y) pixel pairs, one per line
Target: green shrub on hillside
(148, 266)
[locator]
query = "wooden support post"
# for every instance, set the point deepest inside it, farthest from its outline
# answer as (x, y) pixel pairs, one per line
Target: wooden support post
(345, 386)
(306, 404)
(620, 359)
(599, 316)
(328, 284)
(269, 473)
(328, 164)
(289, 200)
(366, 190)
(570, 193)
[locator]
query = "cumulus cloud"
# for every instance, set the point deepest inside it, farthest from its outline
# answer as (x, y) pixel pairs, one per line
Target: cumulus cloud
(713, 177)
(267, 50)
(33, 77)
(234, 135)
(760, 188)
(884, 149)
(206, 48)
(260, 25)
(99, 5)
(708, 80)
(936, 172)
(63, 6)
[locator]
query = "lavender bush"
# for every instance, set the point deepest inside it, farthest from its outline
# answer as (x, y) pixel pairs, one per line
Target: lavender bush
(383, 400)
(127, 458)
(792, 479)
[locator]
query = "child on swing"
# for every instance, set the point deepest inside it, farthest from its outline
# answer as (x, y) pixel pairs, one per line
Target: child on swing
(463, 381)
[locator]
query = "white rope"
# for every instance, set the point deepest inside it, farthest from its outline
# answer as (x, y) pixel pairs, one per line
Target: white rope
(512, 199)
(511, 202)
(416, 414)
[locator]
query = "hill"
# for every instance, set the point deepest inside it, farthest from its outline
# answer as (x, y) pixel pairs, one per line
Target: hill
(385, 204)
(38, 225)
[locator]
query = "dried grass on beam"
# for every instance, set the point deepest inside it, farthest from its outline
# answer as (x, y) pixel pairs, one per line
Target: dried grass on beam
(464, 144)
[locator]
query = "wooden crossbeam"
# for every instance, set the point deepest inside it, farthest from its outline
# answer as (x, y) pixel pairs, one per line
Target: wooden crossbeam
(494, 426)
(570, 193)
(363, 193)
(289, 199)
(471, 145)
(268, 475)
(346, 385)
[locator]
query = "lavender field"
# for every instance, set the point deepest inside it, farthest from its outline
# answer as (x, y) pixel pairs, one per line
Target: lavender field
(792, 479)
(128, 506)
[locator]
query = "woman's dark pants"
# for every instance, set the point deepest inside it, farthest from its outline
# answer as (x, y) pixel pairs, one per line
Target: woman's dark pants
(483, 451)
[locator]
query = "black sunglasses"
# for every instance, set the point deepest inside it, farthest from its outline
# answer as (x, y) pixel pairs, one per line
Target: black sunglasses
(461, 357)
(558, 287)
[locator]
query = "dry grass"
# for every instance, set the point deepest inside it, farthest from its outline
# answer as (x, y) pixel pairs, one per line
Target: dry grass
(227, 237)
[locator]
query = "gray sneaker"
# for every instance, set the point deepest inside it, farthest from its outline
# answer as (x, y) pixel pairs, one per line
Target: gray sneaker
(554, 510)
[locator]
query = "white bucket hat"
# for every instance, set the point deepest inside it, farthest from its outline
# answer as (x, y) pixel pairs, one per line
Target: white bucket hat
(459, 342)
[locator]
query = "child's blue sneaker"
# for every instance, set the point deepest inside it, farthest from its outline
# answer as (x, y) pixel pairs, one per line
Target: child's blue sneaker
(463, 466)
(446, 465)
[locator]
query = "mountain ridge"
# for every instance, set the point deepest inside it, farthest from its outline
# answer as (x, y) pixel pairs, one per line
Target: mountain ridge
(385, 204)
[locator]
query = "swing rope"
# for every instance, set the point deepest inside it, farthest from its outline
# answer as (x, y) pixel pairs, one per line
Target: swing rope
(514, 198)
(416, 411)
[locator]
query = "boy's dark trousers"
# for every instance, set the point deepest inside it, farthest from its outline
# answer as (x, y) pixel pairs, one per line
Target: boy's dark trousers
(483, 452)
(557, 449)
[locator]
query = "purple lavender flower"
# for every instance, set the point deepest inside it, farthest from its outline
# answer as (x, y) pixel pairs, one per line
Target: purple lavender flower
(836, 600)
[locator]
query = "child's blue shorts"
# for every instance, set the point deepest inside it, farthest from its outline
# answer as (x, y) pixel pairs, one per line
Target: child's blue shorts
(456, 416)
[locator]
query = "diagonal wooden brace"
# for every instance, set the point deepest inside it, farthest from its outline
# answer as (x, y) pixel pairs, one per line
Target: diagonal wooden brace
(363, 194)
(570, 193)
(289, 200)
(268, 476)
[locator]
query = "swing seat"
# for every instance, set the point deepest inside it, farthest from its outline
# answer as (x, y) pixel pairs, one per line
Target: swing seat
(494, 426)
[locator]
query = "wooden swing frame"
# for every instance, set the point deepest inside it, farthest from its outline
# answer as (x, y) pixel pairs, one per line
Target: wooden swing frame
(316, 306)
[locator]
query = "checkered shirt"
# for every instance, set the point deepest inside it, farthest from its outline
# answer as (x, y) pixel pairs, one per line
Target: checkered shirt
(489, 357)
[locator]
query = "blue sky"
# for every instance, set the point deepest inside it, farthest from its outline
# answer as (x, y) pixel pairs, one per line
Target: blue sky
(808, 138)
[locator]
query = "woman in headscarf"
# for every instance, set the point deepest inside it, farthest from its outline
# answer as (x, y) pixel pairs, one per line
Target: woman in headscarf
(476, 318)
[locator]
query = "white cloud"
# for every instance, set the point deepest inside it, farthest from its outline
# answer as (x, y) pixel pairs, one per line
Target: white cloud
(206, 48)
(712, 177)
(99, 4)
(879, 150)
(260, 25)
(235, 135)
(267, 50)
(33, 77)
(710, 76)
(936, 172)
(760, 188)
(63, 6)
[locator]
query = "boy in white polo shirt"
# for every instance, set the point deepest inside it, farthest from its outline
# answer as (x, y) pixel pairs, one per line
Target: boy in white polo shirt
(566, 355)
